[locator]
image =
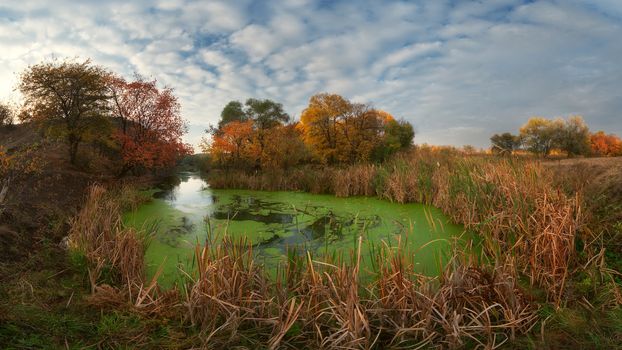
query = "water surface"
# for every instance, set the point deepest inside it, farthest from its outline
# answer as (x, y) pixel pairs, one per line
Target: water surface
(277, 221)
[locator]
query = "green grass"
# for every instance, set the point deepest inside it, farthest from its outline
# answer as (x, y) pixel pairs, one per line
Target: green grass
(43, 305)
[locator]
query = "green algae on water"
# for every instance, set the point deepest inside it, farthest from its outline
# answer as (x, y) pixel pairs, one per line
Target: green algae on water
(273, 222)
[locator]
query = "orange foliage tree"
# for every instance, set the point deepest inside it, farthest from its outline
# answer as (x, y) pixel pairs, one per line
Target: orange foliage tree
(151, 126)
(605, 144)
(246, 135)
(232, 144)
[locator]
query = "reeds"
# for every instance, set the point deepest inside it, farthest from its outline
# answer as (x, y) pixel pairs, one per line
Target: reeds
(98, 234)
(528, 229)
(325, 304)
(114, 254)
(512, 204)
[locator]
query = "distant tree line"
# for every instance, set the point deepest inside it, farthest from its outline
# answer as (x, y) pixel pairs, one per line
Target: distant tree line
(80, 102)
(571, 136)
(332, 130)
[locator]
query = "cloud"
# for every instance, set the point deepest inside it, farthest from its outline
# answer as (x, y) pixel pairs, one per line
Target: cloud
(459, 71)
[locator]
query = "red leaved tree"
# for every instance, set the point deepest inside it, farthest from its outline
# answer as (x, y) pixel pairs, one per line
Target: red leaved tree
(233, 144)
(151, 126)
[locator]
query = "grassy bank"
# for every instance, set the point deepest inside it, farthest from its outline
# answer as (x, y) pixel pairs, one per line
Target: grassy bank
(543, 270)
(513, 204)
(230, 300)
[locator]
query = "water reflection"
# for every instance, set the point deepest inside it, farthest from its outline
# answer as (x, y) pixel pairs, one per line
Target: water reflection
(275, 221)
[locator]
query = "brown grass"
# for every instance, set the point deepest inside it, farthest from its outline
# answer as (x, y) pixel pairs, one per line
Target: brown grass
(513, 204)
(528, 229)
(312, 303)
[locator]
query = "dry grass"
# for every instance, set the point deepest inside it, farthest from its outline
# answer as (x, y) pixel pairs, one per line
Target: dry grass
(322, 304)
(314, 303)
(114, 254)
(513, 204)
(528, 229)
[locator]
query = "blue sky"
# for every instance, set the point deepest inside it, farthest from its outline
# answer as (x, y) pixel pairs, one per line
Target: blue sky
(459, 71)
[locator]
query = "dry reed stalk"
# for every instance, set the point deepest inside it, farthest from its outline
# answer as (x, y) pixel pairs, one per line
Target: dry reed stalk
(229, 292)
(467, 303)
(98, 234)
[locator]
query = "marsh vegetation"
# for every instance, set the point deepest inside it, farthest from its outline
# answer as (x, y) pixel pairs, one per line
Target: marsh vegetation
(334, 231)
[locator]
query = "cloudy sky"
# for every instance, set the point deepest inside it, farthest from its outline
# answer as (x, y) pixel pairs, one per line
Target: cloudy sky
(458, 70)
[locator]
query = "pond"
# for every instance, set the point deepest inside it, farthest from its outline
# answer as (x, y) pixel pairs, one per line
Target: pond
(184, 213)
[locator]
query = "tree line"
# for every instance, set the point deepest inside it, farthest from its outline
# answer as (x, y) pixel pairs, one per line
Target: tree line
(571, 136)
(79, 102)
(332, 130)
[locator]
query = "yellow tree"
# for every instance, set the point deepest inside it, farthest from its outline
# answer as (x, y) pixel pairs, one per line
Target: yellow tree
(319, 123)
(337, 130)
(540, 134)
(361, 129)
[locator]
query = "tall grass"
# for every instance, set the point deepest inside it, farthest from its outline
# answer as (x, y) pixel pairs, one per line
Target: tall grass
(114, 254)
(528, 229)
(98, 234)
(312, 302)
(322, 303)
(511, 203)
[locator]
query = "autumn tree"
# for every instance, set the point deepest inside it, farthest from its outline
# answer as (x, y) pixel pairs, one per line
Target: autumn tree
(541, 135)
(362, 129)
(320, 124)
(151, 126)
(232, 145)
(261, 115)
(573, 137)
(68, 97)
(7, 116)
(284, 148)
(337, 130)
(602, 144)
(505, 144)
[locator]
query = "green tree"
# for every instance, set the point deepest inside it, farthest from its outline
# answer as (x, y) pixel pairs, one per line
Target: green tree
(265, 114)
(574, 137)
(68, 97)
(505, 143)
(540, 135)
(398, 135)
(233, 111)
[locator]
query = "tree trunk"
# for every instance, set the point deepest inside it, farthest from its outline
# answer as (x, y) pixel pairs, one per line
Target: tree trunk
(73, 148)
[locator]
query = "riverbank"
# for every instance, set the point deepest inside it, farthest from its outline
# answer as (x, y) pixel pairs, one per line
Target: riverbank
(43, 293)
(49, 300)
(531, 229)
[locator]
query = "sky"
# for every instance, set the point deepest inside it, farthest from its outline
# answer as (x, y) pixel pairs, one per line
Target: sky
(459, 71)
